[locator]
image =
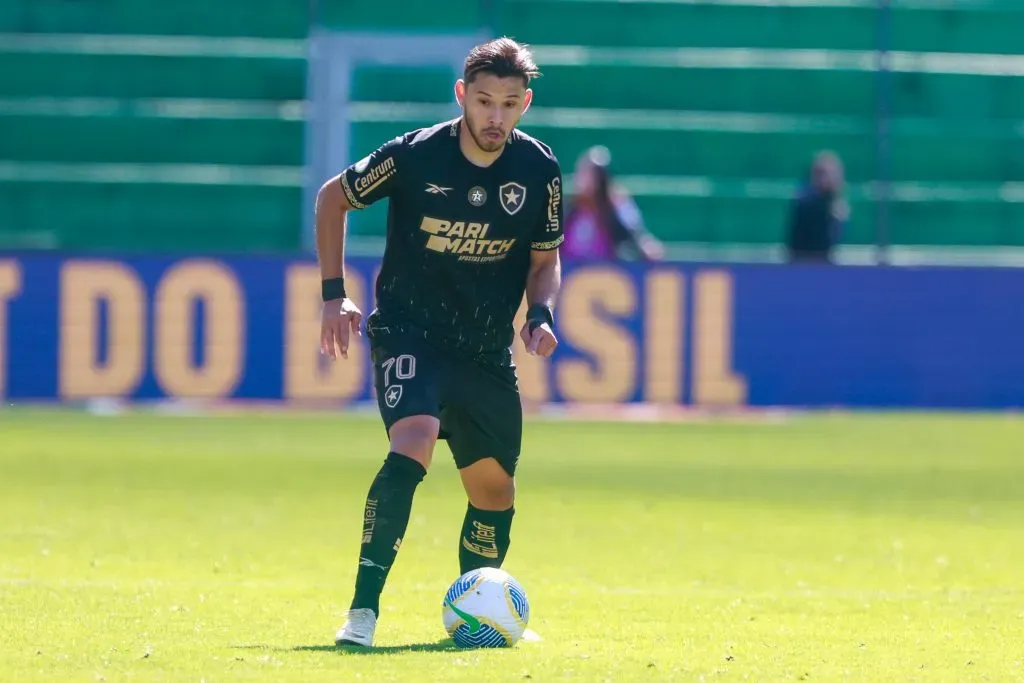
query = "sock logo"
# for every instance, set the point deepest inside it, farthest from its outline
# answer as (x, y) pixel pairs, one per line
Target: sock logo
(369, 519)
(481, 541)
(366, 562)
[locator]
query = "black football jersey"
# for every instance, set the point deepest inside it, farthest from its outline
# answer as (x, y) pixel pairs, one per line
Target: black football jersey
(458, 236)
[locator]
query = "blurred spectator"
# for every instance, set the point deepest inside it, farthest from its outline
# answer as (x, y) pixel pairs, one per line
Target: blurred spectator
(604, 223)
(819, 213)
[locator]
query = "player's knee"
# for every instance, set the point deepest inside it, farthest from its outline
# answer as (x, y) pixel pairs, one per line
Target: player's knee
(494, 493)
(415, 437)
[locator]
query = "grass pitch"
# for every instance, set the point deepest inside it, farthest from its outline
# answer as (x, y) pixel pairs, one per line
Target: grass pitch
(886, 548)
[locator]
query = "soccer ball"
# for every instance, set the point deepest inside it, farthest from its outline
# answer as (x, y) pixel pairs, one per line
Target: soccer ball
(485, 608)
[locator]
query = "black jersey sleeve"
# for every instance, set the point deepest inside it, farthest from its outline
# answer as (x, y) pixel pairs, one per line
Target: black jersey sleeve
(375, 176)
(547, 234)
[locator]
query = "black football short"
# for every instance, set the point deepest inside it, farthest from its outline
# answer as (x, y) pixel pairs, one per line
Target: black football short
(478, 405)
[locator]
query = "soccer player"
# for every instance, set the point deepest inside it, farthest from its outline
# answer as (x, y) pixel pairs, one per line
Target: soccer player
(474, 222)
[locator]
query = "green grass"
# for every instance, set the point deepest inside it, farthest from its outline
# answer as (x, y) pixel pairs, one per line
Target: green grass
(886, 548)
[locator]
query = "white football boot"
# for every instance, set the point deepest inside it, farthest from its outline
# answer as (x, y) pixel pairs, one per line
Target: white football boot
(358, 629)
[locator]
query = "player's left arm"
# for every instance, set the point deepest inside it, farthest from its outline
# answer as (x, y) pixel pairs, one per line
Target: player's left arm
(542, 285)
(545, 275)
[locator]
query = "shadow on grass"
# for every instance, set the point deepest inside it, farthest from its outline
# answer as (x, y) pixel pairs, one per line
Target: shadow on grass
(444, 645)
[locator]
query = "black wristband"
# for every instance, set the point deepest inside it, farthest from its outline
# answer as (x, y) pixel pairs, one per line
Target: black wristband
(539, 314)
(332, 288)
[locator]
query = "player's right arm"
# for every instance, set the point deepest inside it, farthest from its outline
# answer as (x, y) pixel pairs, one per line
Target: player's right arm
(358, 186)
(340, 315)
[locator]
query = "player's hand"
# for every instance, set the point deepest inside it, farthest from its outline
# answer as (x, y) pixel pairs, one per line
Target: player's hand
(338, 321)
(541, 342)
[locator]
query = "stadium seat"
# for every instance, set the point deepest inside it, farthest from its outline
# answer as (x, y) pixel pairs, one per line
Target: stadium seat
(263, 19)
(153, 216)
(777, 153)
(150, 139)
(402, 84)
(992, 28)
(127, 76)
(268, 18)
(839, 92)
(419, 16)
(969, 223)
(756, 220)
(672, 115)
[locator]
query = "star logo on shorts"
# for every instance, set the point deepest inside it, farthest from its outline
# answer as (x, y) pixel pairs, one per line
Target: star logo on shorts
(393, 395)
(513, 196)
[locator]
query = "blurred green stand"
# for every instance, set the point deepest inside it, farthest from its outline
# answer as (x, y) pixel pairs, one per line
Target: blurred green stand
(182, 126)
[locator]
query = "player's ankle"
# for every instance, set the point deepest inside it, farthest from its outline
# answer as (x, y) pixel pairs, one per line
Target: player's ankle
(373, 605)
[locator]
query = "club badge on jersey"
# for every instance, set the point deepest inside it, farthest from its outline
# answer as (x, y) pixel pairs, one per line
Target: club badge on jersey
(513, 196)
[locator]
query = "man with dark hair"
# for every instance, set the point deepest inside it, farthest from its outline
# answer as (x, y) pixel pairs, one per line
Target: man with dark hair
(474, 222)
(819, 212)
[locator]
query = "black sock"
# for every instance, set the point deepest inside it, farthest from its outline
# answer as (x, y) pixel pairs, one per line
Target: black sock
(385, 518)
(485, 538)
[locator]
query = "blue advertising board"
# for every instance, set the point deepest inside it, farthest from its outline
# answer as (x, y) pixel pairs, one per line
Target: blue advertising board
(152, 327)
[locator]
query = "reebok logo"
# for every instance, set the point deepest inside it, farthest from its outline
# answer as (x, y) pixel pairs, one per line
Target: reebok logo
(437, 189)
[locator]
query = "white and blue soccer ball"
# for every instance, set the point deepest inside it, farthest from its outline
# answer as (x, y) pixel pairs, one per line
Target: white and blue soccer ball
(485, 608)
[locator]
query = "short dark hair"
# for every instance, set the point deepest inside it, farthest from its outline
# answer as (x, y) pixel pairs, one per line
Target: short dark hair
(502, 57)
